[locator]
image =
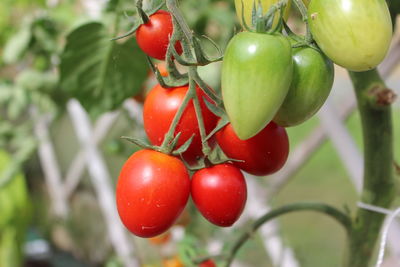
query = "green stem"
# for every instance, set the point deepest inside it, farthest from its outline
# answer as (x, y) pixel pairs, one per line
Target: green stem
(142, 14)
(270, 15)
(169, 136)
(336, 214)
(379, 188)
(304, 14)
(205, 147)
(181, 26)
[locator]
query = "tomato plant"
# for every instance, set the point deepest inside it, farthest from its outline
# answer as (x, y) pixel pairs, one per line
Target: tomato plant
(220, 193)
(248, 9)
(263, 154)
(355, 34)
(313, 76)
(152, 191)
(153, 36)
(159, 110)
(256, 75)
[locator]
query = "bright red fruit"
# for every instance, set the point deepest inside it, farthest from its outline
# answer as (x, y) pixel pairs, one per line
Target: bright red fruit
(262, 154)
(153, 36)
(220, 193)
(159, 110)
(152, 191)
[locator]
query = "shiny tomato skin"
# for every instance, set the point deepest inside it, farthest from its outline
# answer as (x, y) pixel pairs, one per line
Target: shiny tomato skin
(159, 110)
(219, 193)
(152, 191)
(354, 34)
(153, 36)
(256, 74)
(312, 82)
(262, 154)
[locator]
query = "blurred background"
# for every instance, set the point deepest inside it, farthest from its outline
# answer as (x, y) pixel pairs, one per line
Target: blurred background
(67, 94)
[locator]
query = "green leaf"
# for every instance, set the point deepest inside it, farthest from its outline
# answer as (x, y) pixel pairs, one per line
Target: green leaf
(33, 80)
(184, 147)
(137, 142)
(6, 91)
(17, 103)
(101, 74)
(17, 45)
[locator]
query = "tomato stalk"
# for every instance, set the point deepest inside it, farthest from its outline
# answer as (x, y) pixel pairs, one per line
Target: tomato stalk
(303, 11)
(192, 85)
(334, 213)
(264, 23)
(183, 33)
(169, 136)
(142, 14)
(379, 183)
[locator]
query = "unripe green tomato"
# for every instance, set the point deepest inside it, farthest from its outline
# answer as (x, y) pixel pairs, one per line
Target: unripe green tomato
(248, 9)
(355, 34)
(256, 74)
(313, 75)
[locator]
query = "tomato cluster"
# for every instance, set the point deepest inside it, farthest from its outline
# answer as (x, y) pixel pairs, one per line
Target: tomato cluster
(270, 80)
(153, 187)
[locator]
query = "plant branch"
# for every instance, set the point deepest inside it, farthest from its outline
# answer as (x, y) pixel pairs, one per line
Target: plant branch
(169, 136)
(303, 11)
(205, 147)
(379, 187)
(336, 214)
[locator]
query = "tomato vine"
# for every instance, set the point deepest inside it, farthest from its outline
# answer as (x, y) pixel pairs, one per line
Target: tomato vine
(364, 227)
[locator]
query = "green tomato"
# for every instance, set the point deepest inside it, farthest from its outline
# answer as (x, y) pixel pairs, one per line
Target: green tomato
(313, 75)
(256, 75)
(248, 9)
(355, 34)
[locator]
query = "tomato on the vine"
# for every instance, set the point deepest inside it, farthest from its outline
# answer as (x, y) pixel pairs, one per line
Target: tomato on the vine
(219, 193)
(312, 82)
(152, 191)
(262, 154)
(153, 36)
(355, 34)
(159, 110)
(256, 75)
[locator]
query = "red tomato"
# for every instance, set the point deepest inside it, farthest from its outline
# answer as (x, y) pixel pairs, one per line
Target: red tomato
(262, 154)
(207, 263)
(152, 191)
(153, 37)
(220, 193)
(159, 110)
